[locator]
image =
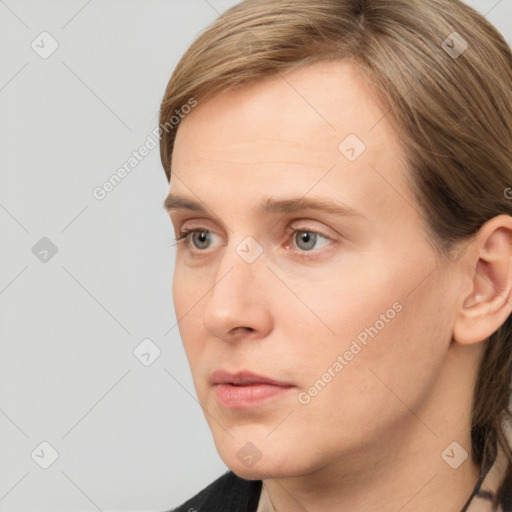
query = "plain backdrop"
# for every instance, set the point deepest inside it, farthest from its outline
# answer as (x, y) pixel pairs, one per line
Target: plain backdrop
(97, 405)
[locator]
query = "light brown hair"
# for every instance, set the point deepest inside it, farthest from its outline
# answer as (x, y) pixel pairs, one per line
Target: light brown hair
(453, 113)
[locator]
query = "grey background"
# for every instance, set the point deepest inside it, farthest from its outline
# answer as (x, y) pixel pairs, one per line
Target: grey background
(128, 436)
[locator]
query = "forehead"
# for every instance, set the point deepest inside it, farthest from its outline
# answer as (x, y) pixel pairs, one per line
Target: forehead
(286, 132)
(306, 104)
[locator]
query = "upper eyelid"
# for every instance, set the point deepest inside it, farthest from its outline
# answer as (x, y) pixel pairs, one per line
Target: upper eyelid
(192, 225)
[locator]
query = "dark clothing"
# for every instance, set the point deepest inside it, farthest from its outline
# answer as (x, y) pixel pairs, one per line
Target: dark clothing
(229, 493)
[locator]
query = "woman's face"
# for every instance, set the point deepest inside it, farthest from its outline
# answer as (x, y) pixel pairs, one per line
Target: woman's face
(310, 267)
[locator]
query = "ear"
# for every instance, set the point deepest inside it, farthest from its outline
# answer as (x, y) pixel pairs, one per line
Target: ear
(488, 271)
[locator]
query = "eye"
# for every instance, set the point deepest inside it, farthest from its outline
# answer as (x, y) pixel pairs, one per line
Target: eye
(307, 239)
(304, 239)
(200, 237)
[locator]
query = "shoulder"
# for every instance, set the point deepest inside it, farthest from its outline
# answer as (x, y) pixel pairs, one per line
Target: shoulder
(228, 493)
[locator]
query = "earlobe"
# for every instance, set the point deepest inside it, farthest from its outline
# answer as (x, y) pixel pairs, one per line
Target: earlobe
(489, 271)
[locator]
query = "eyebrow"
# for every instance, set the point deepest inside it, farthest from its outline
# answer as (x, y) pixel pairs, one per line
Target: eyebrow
(175, 202)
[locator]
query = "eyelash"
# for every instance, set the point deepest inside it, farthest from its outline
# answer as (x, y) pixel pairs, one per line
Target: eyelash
(185, 234)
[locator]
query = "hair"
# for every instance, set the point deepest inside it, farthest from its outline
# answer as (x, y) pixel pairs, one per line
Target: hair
(452, 112)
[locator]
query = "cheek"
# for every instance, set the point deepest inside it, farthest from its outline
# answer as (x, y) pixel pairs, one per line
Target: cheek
(344, 310)
(180, 293)
(390, 345)
(186, 300)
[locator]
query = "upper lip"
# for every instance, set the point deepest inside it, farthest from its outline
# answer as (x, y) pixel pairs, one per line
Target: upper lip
(244, 378)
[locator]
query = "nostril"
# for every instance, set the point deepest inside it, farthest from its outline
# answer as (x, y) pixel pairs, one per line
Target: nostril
(241, 330)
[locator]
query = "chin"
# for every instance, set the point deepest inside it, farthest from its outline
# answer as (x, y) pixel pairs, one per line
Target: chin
(272, 465)
(260, 471)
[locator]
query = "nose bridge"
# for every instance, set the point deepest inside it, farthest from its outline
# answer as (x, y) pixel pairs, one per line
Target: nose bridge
(240, 265)
(230, 302)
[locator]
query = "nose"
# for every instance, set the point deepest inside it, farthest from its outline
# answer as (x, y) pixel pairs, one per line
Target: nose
(237, 305)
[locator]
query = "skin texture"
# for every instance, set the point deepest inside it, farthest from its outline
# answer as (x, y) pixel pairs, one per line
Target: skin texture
(375, 432)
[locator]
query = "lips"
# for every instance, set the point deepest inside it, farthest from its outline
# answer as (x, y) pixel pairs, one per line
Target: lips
(245, 389)
(244, 378)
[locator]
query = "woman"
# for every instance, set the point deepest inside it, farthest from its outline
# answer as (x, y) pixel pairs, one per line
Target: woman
(340, 192)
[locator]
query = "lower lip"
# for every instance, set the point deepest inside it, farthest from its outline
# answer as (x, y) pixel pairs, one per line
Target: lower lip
(243, 397)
